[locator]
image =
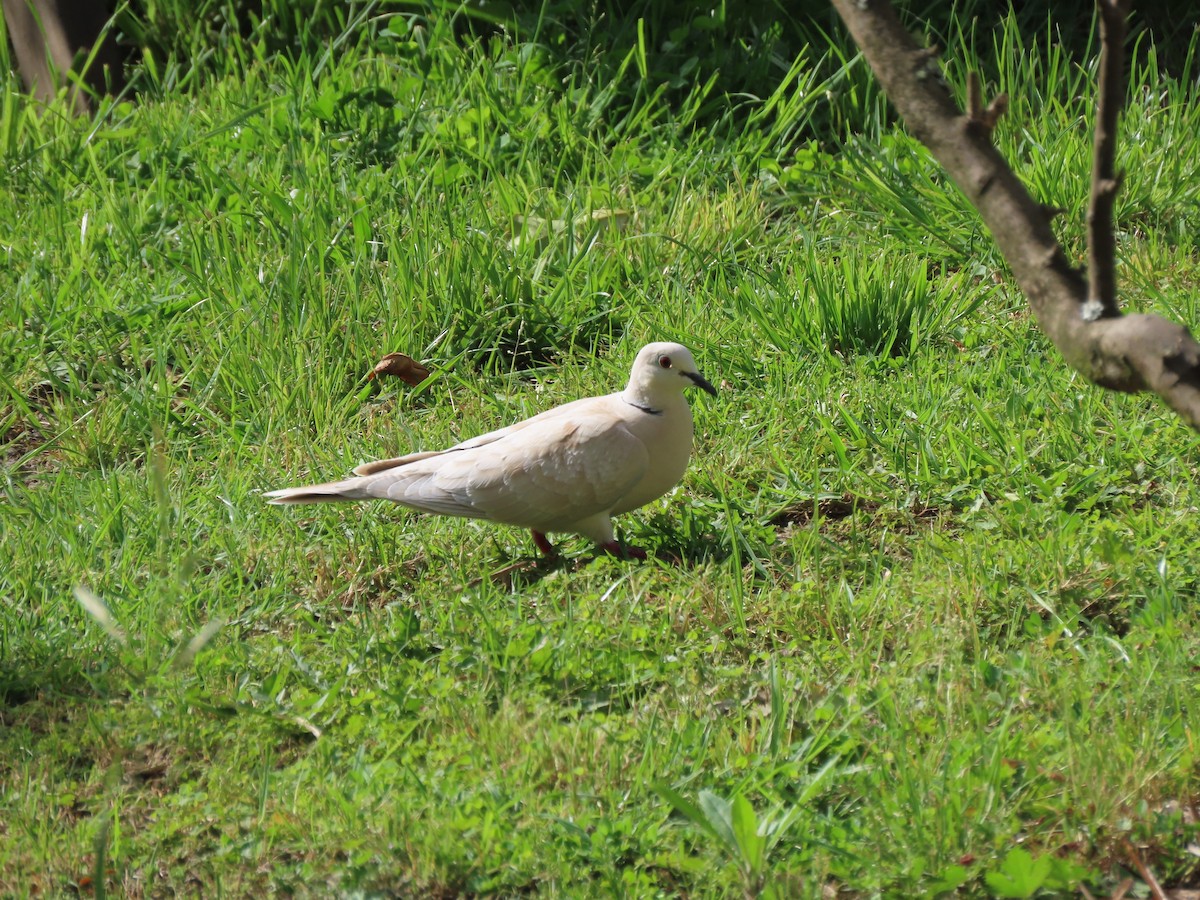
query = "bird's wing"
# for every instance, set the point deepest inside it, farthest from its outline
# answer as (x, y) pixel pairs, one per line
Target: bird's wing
(547, 474)
(489, 437)
(381, 465)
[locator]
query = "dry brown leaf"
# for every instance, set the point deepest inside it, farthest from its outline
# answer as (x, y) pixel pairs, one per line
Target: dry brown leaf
(402, 366)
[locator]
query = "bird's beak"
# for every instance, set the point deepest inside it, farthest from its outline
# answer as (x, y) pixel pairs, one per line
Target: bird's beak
(701, 382)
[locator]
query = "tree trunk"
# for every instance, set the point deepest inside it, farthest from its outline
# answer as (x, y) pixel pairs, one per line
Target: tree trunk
(54, 37)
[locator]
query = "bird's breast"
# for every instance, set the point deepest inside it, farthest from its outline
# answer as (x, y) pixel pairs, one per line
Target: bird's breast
(668, 439)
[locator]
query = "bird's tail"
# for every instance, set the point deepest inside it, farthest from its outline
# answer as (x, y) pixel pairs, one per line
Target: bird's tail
(331, 492)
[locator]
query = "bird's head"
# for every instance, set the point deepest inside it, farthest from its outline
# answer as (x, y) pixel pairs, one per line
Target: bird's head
(660, 373)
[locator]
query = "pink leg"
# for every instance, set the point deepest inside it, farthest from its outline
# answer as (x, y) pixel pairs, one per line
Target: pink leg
(615, 549)
(542, 543)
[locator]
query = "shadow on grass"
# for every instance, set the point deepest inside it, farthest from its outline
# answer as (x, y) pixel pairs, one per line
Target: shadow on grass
(682, 550)
(25, 681)
(527, 571)
(835, 509)
(674, 550)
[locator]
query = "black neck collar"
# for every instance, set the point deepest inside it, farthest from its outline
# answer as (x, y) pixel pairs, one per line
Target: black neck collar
(648, 410)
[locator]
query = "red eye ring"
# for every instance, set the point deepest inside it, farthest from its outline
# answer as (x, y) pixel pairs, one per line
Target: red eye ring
(665, 362)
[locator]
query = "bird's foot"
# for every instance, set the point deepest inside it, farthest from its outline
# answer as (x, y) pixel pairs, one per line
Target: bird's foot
(613, 548)
(542, 543)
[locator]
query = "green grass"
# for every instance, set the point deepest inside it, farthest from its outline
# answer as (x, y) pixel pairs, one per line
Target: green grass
(920, 618)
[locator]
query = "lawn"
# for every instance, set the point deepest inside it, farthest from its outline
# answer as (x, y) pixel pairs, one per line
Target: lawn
(919, 619)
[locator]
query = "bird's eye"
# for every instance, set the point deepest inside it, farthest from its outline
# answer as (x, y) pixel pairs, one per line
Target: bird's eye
(665, 362)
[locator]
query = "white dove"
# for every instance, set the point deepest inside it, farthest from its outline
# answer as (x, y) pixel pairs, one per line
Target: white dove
(569, 469)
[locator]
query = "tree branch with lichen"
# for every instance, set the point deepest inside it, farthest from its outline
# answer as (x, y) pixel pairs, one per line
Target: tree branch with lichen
(1130, 353)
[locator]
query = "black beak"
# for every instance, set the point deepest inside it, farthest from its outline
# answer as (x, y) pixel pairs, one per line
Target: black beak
(700, 381)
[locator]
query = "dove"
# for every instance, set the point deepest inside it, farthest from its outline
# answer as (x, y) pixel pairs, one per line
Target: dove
(569, 469)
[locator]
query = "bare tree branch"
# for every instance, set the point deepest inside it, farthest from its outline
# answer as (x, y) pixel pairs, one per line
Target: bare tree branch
(1121, 352)
(1102, 248)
